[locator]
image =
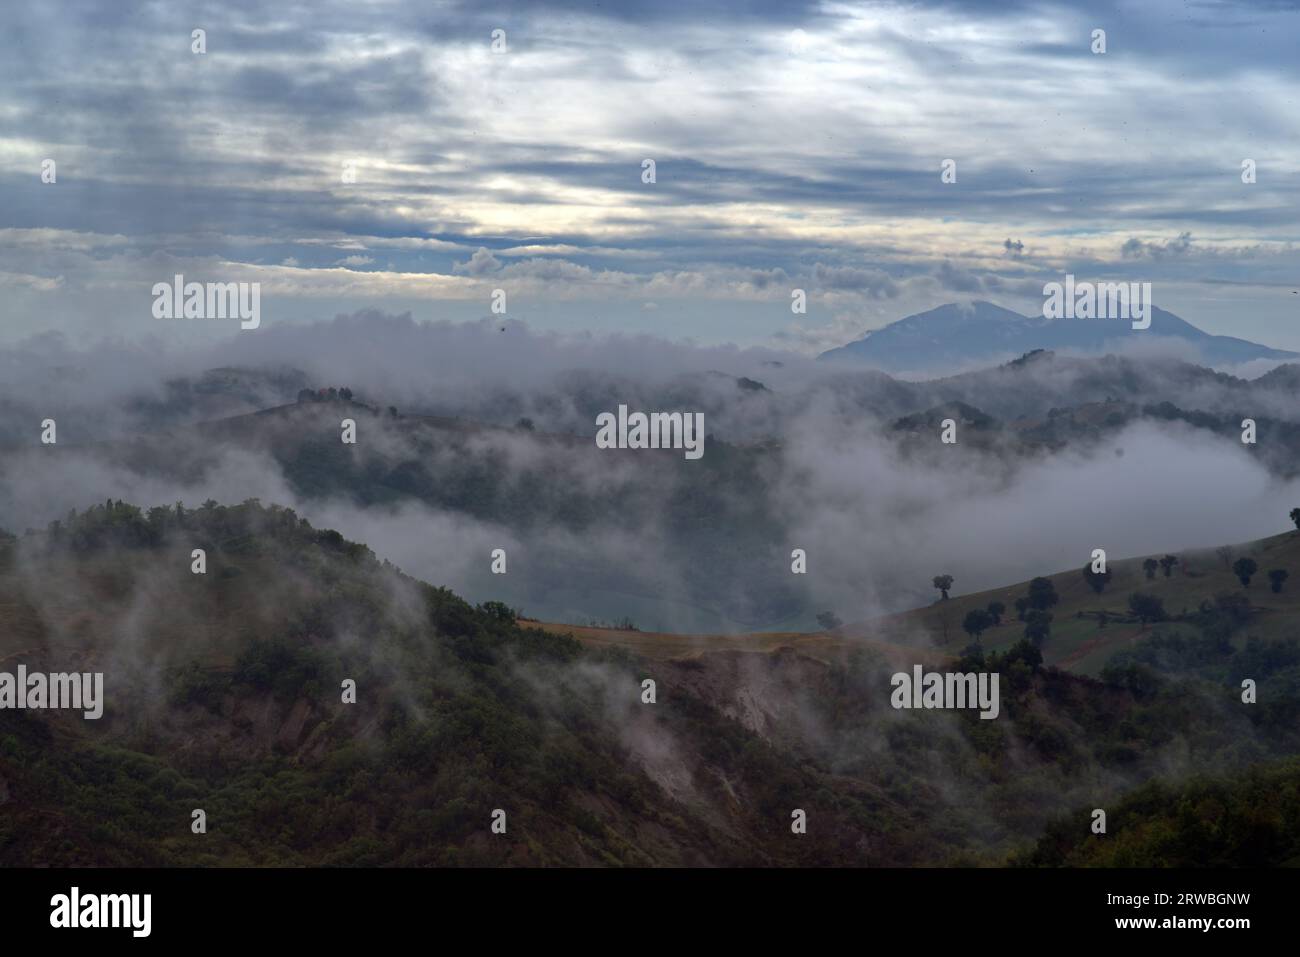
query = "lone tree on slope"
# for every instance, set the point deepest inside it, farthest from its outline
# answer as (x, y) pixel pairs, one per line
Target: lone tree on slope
(1243, 568)
(1042, 594)
(1096, 580)
(1149, 566)
(976, 620)
(1146, 608)
(943, 583)
(1276, 577)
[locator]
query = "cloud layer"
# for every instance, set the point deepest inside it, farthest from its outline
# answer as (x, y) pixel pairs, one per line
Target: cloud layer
(796, 146)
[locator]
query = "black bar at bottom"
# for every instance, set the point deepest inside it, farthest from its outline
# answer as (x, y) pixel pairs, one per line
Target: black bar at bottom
(332, 907)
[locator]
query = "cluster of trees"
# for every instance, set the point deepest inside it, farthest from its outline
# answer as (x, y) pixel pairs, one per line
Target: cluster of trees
(1167, 563)
(619, 624)
(215, 527)
(1245, 569)
(325, 395)
(1034, 612)
(1210, 653)
(1253, 814)
(978, 620)
(113, 524)
(1031, 608)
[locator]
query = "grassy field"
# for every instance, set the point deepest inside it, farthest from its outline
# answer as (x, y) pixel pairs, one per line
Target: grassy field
(668, 645)
(1077, 643)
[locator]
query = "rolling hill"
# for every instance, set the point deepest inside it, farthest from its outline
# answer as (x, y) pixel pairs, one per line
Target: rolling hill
(1078, 642)
(223, 694)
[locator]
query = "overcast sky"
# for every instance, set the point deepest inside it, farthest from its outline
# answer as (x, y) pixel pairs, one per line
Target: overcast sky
(797, 145)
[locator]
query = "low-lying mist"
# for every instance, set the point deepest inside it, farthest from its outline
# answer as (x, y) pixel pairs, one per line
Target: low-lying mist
(679, 545)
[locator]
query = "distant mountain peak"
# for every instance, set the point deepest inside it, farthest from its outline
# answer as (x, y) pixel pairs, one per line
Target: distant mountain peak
(978, 331)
